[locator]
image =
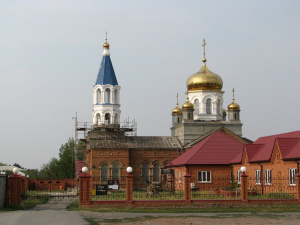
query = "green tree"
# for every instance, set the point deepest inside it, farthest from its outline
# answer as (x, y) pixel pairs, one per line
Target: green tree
(64, 167)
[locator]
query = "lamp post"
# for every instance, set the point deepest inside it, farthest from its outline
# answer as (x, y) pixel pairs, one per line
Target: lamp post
(244, 188)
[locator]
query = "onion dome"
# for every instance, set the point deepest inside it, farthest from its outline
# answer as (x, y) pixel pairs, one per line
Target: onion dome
(204, 79)
(233, 105)
(106, 45)
(224, 111)
(188, 104)
(177, 109)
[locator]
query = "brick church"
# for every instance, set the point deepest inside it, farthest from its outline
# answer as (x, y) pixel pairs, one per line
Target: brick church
(112, 146)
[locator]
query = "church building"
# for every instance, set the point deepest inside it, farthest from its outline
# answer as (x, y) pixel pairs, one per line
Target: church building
(112, 146)
(203, 111)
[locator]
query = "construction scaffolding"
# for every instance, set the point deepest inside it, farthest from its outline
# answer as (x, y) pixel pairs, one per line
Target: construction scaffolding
(128, 128)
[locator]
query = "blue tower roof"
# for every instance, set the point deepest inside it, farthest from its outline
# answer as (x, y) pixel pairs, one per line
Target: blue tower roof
(106, 74)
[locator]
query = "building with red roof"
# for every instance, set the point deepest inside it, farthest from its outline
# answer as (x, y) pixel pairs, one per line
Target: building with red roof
(209, 160)
(272, 162)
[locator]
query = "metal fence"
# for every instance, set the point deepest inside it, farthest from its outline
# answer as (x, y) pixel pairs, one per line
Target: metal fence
(272, 188)
(52, 188)
(215, 188)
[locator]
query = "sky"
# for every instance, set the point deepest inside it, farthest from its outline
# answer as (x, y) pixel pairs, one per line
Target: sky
(50, 53)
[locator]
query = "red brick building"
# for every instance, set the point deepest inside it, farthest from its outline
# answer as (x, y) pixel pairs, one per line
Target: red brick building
(208, 159)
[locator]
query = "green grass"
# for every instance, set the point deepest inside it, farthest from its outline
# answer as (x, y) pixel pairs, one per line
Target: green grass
(91, 221)
(201, 208)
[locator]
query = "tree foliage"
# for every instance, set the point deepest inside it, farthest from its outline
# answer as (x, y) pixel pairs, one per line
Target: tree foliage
(64, 167)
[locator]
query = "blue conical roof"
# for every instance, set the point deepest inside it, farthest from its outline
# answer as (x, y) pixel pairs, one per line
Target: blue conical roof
(106, 74)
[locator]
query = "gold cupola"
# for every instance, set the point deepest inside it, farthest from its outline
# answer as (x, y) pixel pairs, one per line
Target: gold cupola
(224, 111)
(188, 104)
(233, 105)
(204, 79)
(177, 109)
(106, 45)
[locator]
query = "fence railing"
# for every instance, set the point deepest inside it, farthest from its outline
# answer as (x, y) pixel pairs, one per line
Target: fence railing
(274, 188)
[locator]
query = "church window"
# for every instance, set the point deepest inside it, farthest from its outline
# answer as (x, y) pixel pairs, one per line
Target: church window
(196, 105)
(107, 118)
(219, 107)
(208, 106)
(104, 173)
(235, 116)
(98, 96)
(189, 115)
(204, 177)
(107, 95)
(156, 173)
(178, 119)
(115, 172)
(145, 173)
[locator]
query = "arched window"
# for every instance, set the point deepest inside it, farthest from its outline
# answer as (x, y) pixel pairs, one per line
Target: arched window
(178, 119)
(98, 96)
(145, 173)
(115, 172)
(107, 95)
(156, 173)
(116, 97)
(107, 118)
(219, 107)
(208, 106)
(116, 118)
(104, 173)
(196, 105)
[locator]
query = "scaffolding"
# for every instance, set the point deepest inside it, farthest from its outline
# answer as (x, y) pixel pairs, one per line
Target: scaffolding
(128, 128)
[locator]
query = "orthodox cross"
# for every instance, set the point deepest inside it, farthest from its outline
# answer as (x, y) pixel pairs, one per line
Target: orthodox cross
(233, 93)
(177, 98)
(204, 43)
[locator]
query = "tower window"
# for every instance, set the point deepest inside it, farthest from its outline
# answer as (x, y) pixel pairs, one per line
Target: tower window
(107, 95)
(98, 96)
(208, 106)
(178, 119)
(107, 118)
(219, 107)
(196, 105)
(116, 97)
(235, 116)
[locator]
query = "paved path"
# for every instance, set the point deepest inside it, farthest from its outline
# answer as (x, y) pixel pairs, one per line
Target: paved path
(54, 213)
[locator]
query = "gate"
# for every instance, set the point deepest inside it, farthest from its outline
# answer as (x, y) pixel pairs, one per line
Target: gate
(53, 188)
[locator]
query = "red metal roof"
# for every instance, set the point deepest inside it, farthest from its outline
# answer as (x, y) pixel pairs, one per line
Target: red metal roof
(268, 142)
(217, 149)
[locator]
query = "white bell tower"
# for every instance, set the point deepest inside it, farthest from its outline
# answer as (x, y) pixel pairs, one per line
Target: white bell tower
(106, 93)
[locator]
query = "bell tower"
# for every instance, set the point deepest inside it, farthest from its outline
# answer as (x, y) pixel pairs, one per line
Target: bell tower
(106, 93)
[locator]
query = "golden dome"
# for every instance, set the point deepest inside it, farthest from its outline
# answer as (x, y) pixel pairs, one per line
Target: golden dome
(188, 104)
(224, 111)
(177, 110)
(106, 45)
(204, 79)
(233, 106)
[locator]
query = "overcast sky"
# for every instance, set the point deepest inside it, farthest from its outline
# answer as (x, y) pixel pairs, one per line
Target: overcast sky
(50, 52)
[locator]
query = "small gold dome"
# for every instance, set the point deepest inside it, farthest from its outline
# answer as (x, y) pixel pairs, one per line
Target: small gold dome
(224, 111)
(177, 110)
(106, 45)
(188, 105)
(204, 79)
(233, 106)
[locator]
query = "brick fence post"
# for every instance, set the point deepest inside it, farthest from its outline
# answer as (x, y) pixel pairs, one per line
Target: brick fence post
(187, 188)
(129, 188)
(244, 188)
(84, 189)
(298, 186)
(14, 189)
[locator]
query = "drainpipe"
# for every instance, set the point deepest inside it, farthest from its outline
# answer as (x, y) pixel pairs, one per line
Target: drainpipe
(297, 167)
